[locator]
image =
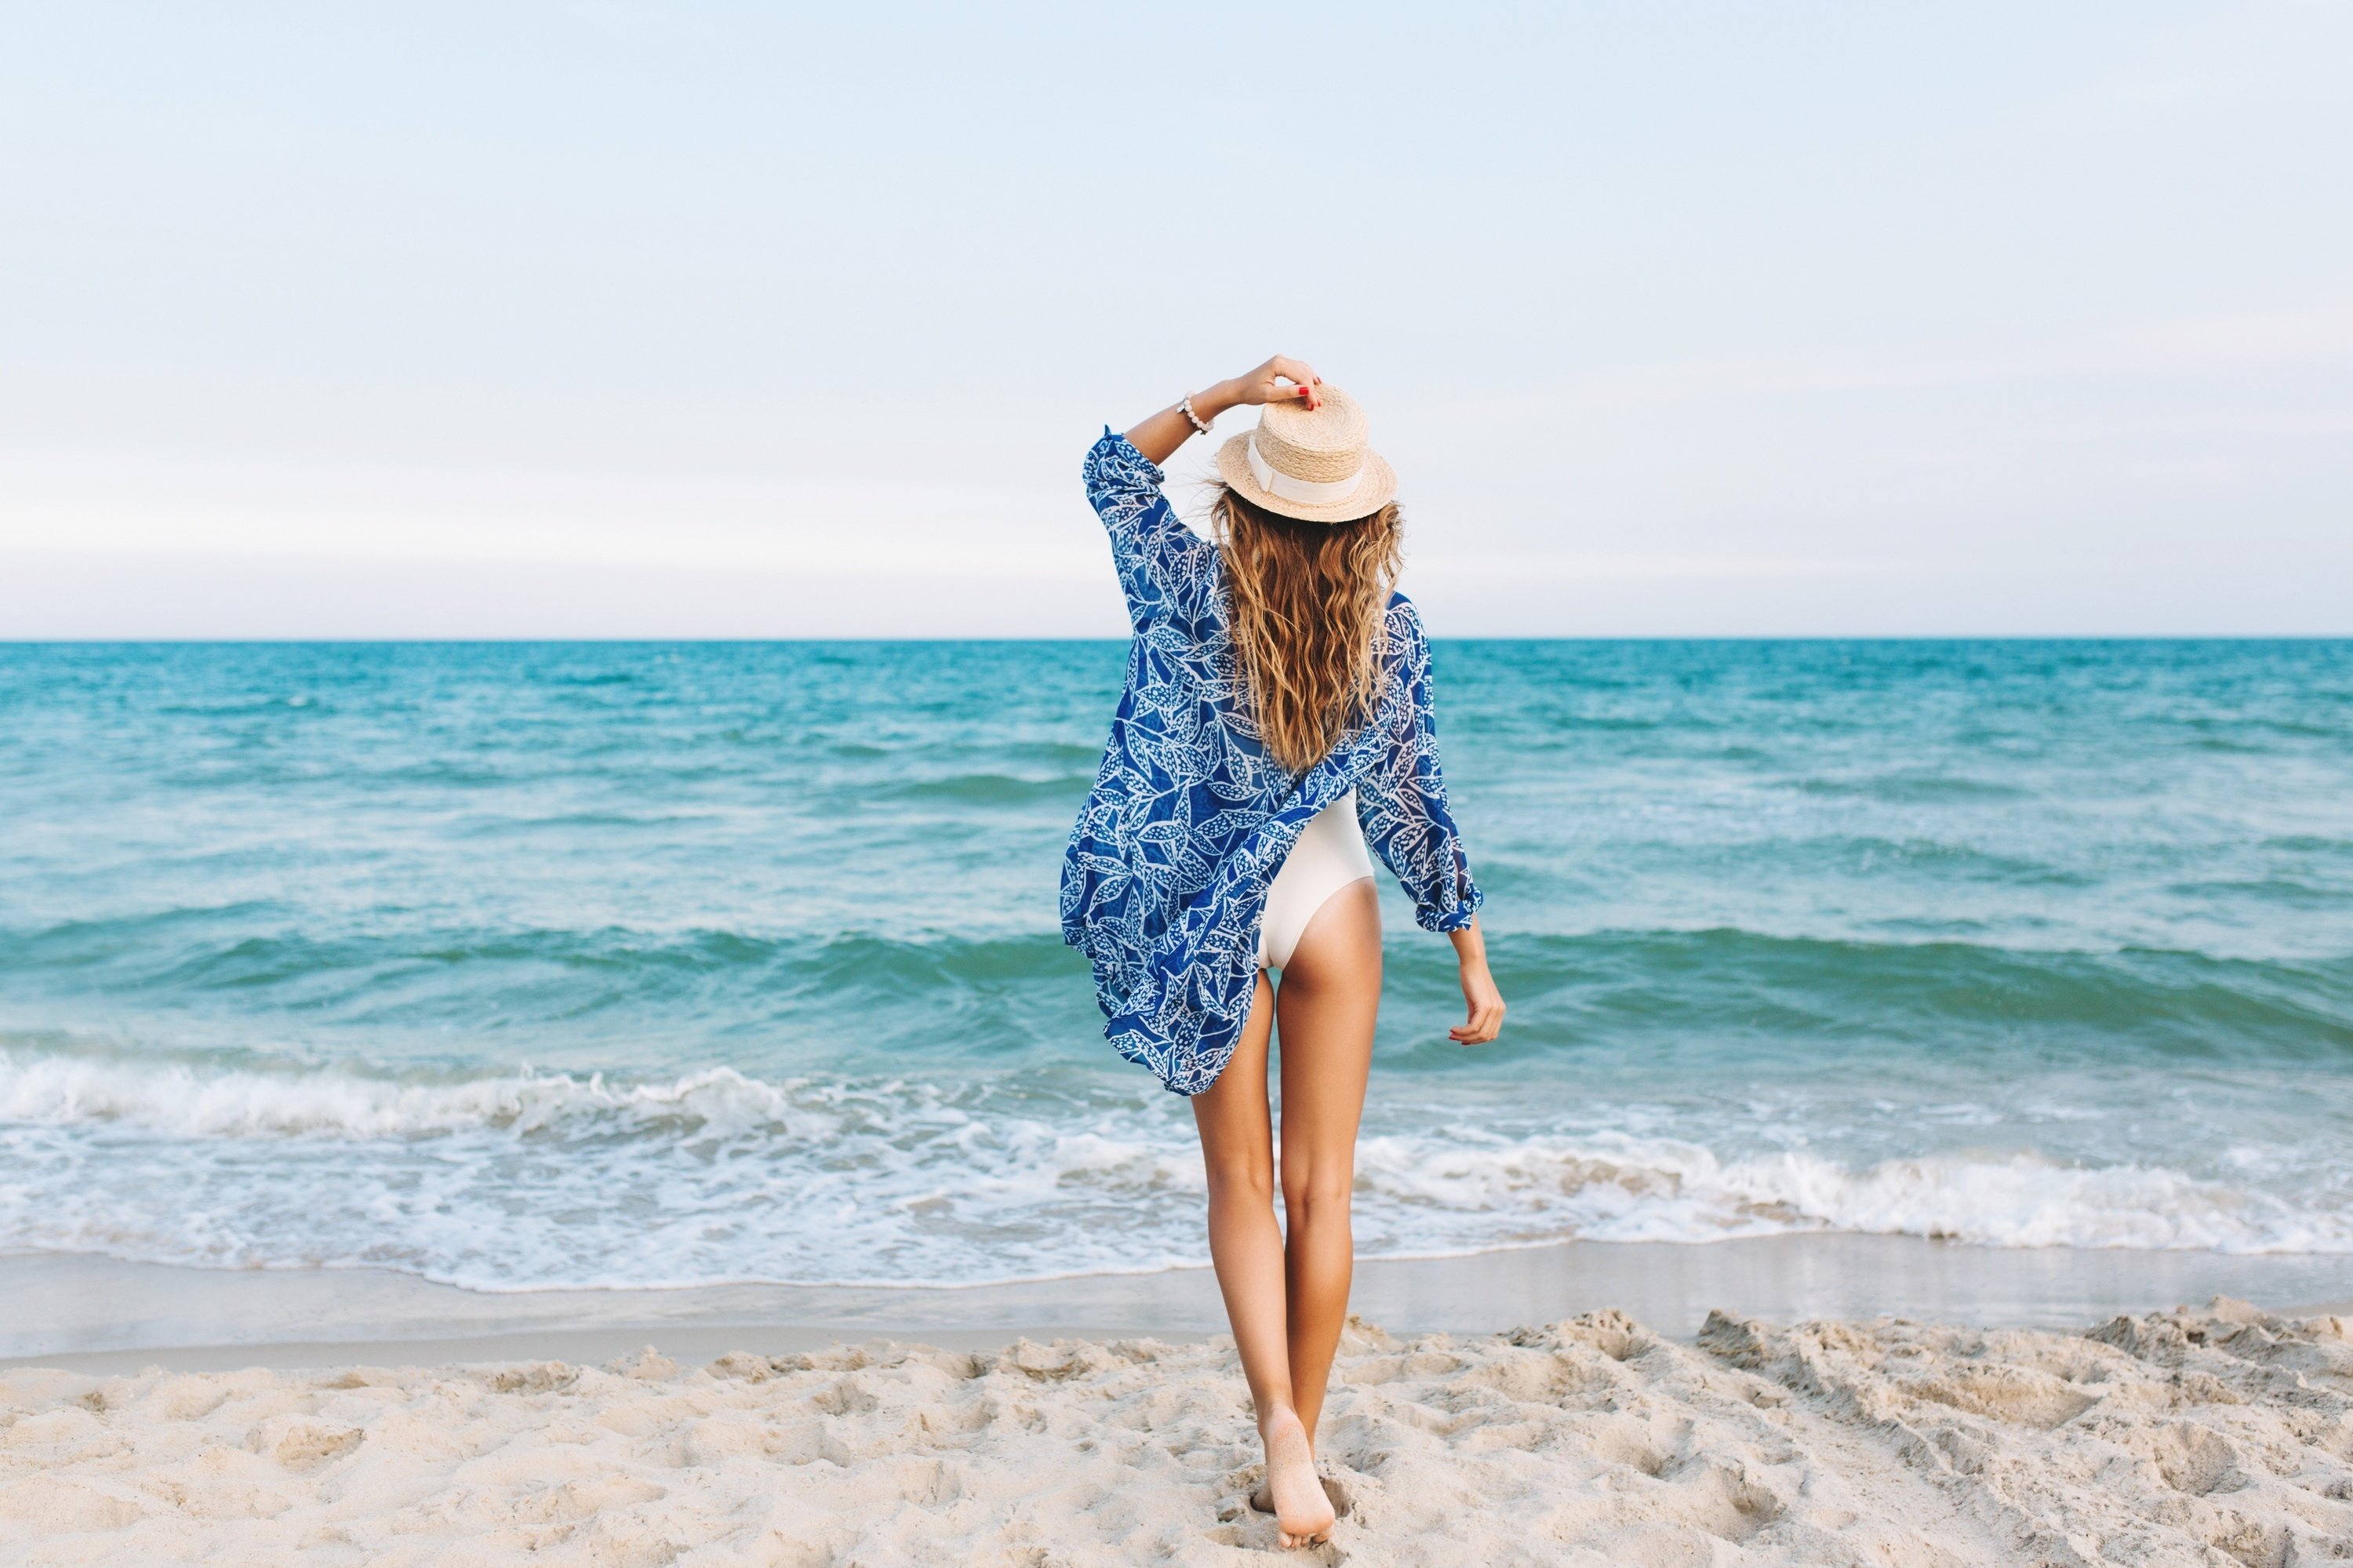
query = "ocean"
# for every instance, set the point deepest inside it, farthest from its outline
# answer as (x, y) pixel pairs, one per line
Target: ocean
(521, 966)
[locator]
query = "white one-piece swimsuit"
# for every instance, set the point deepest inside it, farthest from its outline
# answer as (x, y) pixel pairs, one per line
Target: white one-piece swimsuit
(1329, 854)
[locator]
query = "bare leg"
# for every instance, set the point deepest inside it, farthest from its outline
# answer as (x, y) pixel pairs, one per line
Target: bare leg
(1238, 1149)
(1288, 1305)
(1324, 1011)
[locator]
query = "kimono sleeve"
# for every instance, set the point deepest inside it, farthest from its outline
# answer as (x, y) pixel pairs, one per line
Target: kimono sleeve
(1401, 800)
(1163, 565)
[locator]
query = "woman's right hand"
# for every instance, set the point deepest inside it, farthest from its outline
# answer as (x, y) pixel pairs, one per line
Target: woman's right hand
(1482, 1006)
(1483, 1003)
(1279, 380)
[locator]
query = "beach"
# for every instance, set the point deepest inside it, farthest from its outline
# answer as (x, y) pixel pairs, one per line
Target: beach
(2210, 1435)
(164, 1413)
(633, 1104)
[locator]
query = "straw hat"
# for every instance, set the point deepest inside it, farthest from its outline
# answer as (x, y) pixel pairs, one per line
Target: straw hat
(1312, 465)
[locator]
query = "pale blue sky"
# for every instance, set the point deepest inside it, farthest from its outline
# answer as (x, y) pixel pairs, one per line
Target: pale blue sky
(637, 320)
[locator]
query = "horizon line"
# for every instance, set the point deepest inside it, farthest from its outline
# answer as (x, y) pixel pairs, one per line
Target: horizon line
(590, 642)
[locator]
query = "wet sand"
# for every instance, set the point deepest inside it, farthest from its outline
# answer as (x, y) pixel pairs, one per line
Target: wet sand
(98, 1314)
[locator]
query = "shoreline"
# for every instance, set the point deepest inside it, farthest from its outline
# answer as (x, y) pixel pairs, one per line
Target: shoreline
(100, 1315)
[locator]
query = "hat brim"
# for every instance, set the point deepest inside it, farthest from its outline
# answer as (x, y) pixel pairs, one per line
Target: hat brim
(1375, 490)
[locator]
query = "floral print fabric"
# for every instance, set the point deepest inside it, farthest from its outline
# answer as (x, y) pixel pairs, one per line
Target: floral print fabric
(1165, 877)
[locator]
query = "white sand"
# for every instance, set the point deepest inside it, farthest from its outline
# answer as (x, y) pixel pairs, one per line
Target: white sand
(2206, 1438)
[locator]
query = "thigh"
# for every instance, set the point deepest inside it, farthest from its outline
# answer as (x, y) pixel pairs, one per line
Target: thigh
(1329, 1000)
(1237, 1136)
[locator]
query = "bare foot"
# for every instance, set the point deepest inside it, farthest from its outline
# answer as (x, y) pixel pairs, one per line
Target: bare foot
(1262, 1500)
(1302, 1514)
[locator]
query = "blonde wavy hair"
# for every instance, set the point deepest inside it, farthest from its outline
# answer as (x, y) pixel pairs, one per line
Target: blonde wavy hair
(1310, 601)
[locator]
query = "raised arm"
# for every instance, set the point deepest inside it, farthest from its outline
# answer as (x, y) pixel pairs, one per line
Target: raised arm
(1278, 380)
(1165, 567)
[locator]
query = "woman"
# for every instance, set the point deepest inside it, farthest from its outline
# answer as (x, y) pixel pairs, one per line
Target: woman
(1276, 716)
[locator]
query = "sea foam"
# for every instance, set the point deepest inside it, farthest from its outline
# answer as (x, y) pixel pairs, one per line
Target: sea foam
(536, 1179)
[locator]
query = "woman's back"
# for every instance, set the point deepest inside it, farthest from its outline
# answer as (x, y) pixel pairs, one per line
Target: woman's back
(1193, 813)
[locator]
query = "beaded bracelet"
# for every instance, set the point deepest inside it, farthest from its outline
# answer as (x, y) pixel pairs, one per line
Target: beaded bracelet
(1185, 406)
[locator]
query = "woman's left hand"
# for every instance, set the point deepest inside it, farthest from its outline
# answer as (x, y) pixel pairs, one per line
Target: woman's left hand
(1281, 379)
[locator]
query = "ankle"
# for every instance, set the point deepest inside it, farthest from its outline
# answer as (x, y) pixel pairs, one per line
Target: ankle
(1279, 1420)
(1284, 1436)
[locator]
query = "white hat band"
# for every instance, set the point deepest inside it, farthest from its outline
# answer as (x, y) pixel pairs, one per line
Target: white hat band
(1305, 492)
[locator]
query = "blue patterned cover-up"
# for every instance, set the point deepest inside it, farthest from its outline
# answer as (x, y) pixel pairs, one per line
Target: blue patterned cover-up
(1165, 877)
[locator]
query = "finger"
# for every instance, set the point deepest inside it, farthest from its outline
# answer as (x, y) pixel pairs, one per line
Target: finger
(1301, 375)
(1289, 391)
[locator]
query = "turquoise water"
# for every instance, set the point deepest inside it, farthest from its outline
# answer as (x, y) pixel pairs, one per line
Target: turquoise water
(520, 966)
